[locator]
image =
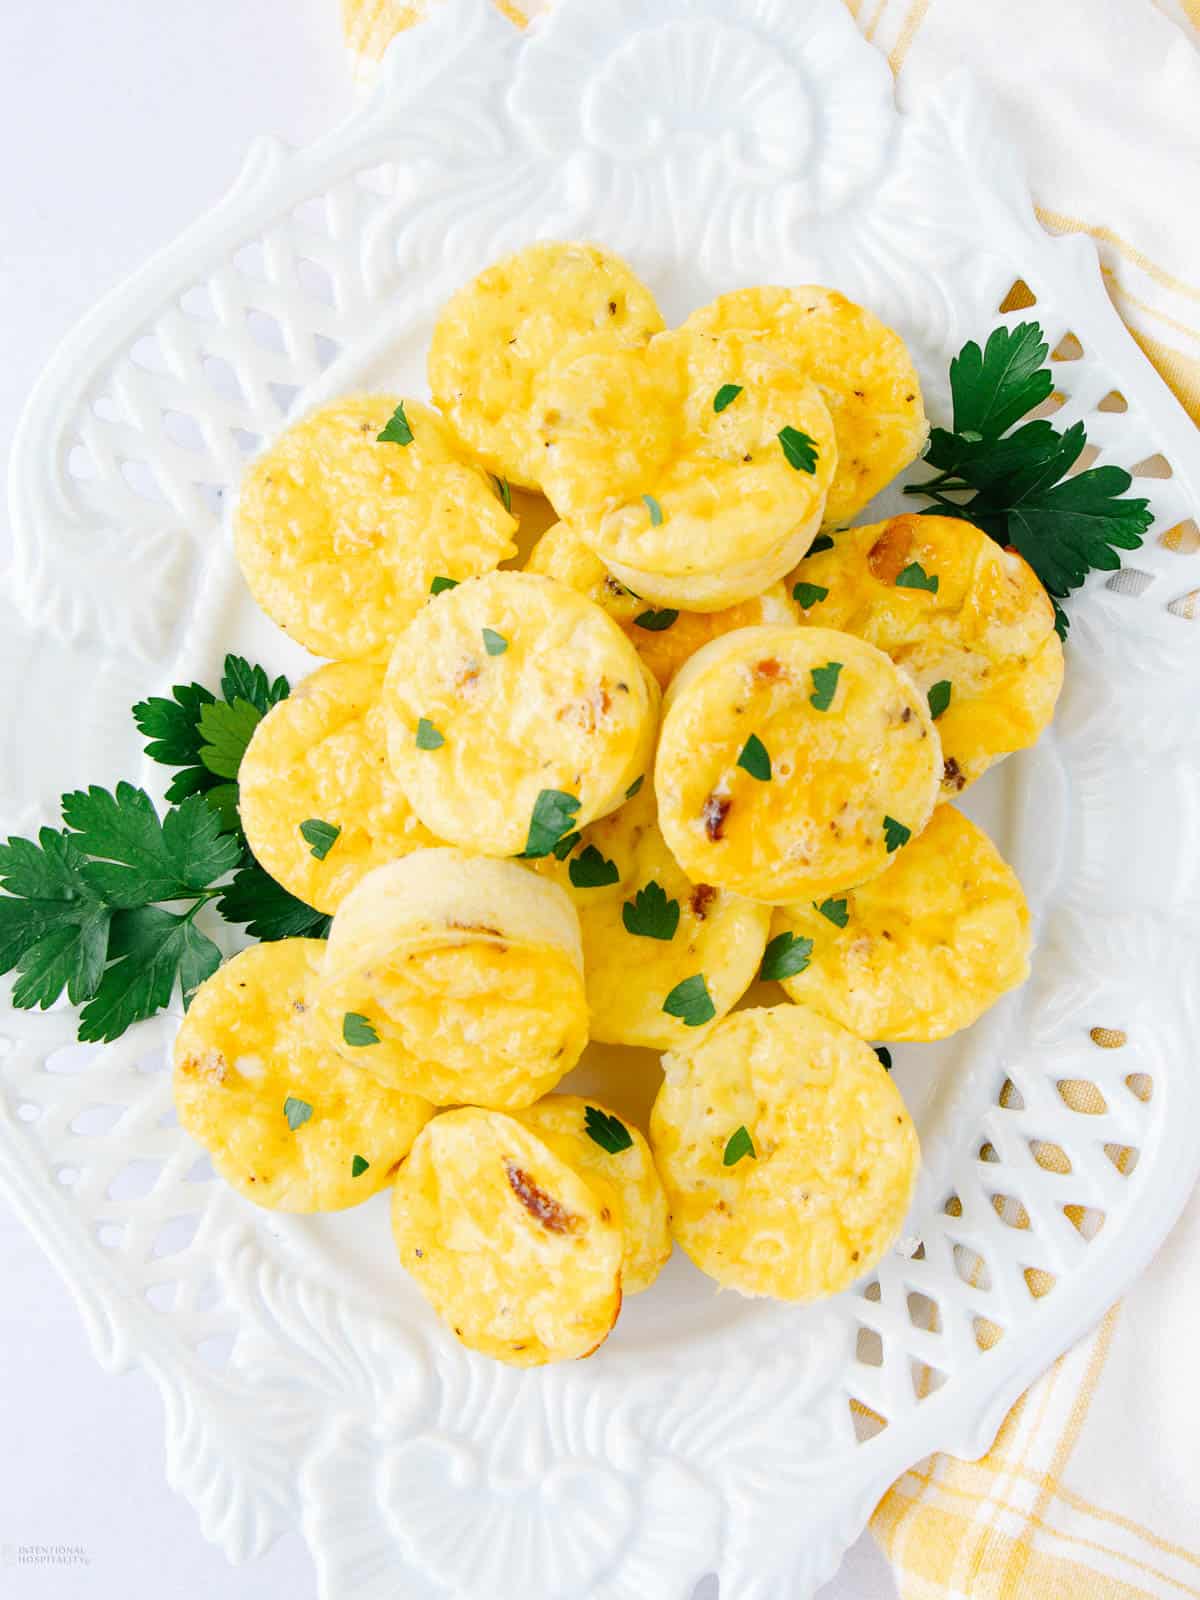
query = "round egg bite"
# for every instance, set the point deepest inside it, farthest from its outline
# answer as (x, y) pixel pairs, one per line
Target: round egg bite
(285, 1122)
(793, 763)
(968, 621)
(615, 1160)
(663, 638)
(922, 950)
(787, 1154)
(341, 533)
(690, 499)
(516, 711)
(457, 978)
(648, 930)
(519, 1253)
(494, 337)
(862, 368)
(319, 804)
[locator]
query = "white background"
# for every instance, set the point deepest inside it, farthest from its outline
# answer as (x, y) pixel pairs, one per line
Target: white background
(120, 121)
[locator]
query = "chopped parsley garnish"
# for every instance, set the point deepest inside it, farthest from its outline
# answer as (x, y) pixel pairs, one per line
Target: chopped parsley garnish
(554, 813)
(494, 643)
(397, 430)
(825, 682)
(691, 1002)
(800, 450)
(786, 955)
(440, 585)
(297, 1112)
(914, 576)
(939, 697)
(635, 786)
(655, 510)
(320, 837)
(609, 1132)
(428, 737)
(504, 491)
(895, 834)
(725, 396)
(821, 542)
(1018, 483)
(650, 914)
(591, 870)
(358, 1166)
(835, 911)
(656, 621)
(740, 1144)
(357, 1030)
(565, 845)
(885, 1057)
(809, 594)
(755, 759)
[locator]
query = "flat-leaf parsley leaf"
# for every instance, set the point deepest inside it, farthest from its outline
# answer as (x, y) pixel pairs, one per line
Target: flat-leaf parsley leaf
(357, 1030)
(825, 682)
(651, 914)
(396, 430)
(786, 955)
(755, 759)
(739, 1144)
(939, 697)
(609, 1132)
(320, 837)
(725, 396)
(691, 1002)
(800, 450)
(591, 870)
(554, 813)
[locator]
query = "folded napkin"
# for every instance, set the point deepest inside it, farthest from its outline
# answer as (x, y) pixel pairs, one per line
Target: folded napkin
(1092, 1488)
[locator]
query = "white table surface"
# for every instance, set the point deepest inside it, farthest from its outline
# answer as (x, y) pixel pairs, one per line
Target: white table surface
(119, 122)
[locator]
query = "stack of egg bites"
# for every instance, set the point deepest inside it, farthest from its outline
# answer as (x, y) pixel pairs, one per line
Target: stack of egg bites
(701, 735)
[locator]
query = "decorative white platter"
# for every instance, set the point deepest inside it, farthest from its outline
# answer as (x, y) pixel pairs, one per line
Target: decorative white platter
(714, 143)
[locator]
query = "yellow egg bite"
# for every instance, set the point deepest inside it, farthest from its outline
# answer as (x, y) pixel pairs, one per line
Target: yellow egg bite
(663, 638)
(615, 1160)
(319, 803)
(458, 978)
(505, 693)
(340, 534)
(968, 621)
(691, 499)
(862, 368)
(495, 336)
(787, 1154)
(648, 930)
(514, 1249)
(922, 950)
(793, 763)
(286, 1123)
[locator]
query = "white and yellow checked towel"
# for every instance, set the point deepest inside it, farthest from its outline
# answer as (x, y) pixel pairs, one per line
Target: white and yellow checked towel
(1092, 1489)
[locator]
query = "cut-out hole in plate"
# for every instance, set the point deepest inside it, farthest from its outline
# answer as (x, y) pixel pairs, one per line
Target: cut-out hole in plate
(1011, 1098)
(110, 1234)
(1086, 458)
(1108, 1038)
(1039, 1283)
(80, 464)
(327, 349)
(926, 1380)
(246, 441)
(1086, 1220)
(987, 1153)
(1081, 1096)
(867, 1423)
(988, 1334)
(1124, 1157)
(198, 302)
(70, 1058)
(923, 1312)
(140, 477)
(1155, 466)
(200, 1171)
(872, 1292)
(183, 430)
(134, 1181)
(1183, 538)
(1068, 349)
(27, 1111)
(222, 377)
(1010, 1210)
(106, 408)
(266, 330)
(162, 1295)
(1140, 1084)
(251, 259)
(313, 213)
(316, 281)
(216, 1349)
(284, 395)
(147, 353)
(1186, 606)
(1130, 581)
(95, 1120)
(869, 1348)
(1114, 400)
(176, 1234)
(1052, 403)
(213, 495)
(67, 1176)
(972, 1268)
(1050, 1157)
(1018, 296)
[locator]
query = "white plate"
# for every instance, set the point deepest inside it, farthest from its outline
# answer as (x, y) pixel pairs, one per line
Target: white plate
(715, 143)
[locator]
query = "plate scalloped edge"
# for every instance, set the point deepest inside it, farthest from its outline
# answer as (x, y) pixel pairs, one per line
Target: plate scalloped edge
(289, 1398)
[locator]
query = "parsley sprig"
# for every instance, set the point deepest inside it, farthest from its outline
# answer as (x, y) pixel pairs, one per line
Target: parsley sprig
(1018, 481)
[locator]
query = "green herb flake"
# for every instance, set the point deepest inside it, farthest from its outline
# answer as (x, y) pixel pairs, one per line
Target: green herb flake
(357, 1031)
(691, 1002)
(740, 1144)
(651, 914)
(635, 786)
(725, 396)
(939, 697)
(914, 576)
(591, 870)
(835, 911)
(755, 759)
(397, 430)
(655, 510)
(565, 845)
(799, 449)
(825, 682)
(821, 542)
(297, 1112)
(440, 585)
(320, 837)
(494, 643)
(358, 1166)
(428, 737)
(786, 955)
(656, 621)
(895, 834)
(504, 490)
(809, 594)
(554, 813)
(609, 1132)
(885, 1057)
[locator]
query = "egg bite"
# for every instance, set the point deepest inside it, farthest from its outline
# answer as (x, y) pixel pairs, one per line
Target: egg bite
(968, 621)
(319, 803)
(862, 368)
(457, 978)
(695, 469)
(922, 950)
(615, 1160)
(787, 1154)
(648, 931)
(513, 1248)
(285, 1122)
(497, 334)
(340, 533)
(663, 638)
(516, 712)
(793, 763)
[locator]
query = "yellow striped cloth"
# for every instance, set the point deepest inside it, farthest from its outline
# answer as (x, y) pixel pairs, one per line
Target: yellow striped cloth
(1092, 1488)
